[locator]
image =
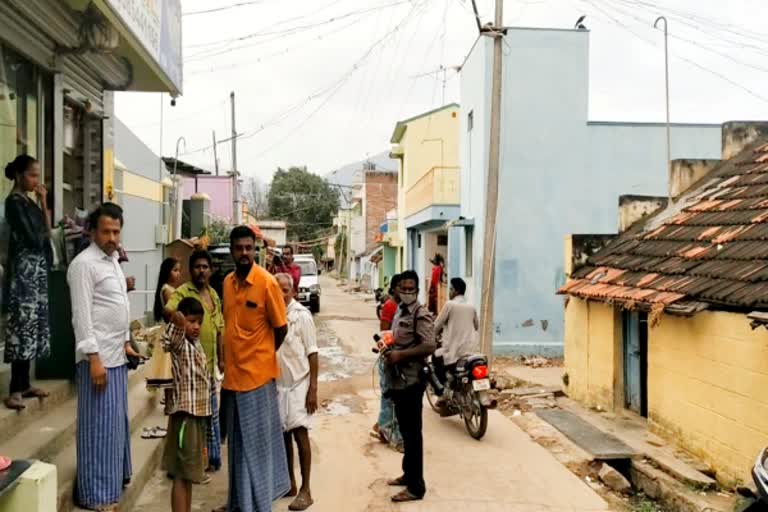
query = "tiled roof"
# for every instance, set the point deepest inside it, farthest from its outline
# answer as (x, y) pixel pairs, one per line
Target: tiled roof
(709, 248)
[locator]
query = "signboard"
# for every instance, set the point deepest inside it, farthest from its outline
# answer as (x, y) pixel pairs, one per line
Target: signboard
(157, 26)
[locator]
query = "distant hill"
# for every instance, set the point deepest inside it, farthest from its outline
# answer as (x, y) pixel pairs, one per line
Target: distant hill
(348, 175)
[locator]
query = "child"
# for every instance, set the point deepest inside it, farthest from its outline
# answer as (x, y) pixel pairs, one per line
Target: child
(190, 407)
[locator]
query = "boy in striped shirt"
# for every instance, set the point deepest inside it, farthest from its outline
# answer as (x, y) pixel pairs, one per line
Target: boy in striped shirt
(184, 458)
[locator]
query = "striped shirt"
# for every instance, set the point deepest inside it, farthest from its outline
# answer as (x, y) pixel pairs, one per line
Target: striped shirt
(191, 377)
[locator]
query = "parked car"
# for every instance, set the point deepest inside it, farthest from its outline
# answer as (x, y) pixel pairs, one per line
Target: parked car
(222, 265)
(309, 286)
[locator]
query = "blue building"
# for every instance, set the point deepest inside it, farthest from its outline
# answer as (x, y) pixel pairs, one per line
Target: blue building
(560, 173)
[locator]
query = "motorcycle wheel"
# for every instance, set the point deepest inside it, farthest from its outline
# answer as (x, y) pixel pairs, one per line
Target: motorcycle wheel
(432, 399)
(476, 420)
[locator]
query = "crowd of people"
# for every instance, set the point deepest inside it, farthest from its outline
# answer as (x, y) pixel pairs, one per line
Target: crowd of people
(241, 368)
(255, 348)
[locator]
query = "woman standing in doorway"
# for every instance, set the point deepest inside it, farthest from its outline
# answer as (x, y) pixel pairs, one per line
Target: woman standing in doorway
(160, 371)
(438, 278)
(28, 335)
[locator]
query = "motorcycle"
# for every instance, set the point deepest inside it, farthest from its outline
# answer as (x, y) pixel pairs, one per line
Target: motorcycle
(381, 299)
(465, 393)
(760, 475)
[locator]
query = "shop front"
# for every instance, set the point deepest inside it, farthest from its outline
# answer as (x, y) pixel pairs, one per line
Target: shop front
(60, 64)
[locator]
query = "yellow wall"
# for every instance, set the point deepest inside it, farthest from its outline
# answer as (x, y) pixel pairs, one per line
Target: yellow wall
(708, 388)
(707, 380)
(429, 142)
(440, 185)
(139, 186)
(593, 353)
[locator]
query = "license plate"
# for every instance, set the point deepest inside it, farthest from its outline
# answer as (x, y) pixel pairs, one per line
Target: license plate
(481, 385)
(303, 297)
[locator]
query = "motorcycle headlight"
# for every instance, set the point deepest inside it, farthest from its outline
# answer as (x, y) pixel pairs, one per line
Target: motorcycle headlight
(315, 288)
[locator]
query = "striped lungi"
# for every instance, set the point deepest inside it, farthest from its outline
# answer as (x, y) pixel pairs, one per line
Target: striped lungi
(258, 469)
(103, 438)
(214, 432)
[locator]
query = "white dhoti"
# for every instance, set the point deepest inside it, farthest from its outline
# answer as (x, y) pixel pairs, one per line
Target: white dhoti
(293, 406)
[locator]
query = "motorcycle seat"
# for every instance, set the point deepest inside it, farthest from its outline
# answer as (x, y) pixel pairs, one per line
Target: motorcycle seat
(470, 361)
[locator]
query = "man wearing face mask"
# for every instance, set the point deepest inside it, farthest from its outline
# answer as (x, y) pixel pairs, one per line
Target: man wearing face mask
(414, 341)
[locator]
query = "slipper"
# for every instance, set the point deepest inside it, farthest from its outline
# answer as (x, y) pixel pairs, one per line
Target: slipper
(14, 404)
(405, 496)
(152, 433)
(35, 393)
(397, 482)
(378, 436)
(302, 502)
(205, 481)
(5, 463)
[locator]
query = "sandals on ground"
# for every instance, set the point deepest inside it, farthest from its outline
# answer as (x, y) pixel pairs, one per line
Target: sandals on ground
(35, 393)
(14, 403)
(405, 496)
(153, 433)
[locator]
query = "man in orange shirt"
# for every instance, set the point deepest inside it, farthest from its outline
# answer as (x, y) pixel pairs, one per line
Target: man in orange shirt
(255, 327)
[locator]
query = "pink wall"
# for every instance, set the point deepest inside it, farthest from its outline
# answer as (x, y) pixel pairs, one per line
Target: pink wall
(218, 188)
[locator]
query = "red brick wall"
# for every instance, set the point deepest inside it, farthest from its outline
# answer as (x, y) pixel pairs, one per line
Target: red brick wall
(380, 197)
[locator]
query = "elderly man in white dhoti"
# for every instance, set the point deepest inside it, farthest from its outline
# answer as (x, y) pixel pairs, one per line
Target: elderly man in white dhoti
(297, 388)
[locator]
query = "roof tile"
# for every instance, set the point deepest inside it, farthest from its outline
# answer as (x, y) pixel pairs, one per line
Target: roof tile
(713, 251)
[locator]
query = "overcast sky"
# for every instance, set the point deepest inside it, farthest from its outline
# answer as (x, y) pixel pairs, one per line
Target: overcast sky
(322, 82)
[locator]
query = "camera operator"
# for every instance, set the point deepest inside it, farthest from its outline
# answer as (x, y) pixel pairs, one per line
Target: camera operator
(414, 341)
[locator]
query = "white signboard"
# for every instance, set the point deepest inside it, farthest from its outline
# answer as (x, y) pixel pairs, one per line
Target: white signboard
(157, 25)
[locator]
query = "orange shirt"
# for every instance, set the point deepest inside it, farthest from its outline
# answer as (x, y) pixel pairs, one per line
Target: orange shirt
(252, 310)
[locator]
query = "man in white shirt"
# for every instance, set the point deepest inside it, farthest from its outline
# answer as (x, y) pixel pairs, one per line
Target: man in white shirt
(458, 324)
(100, 316)
(297, 388)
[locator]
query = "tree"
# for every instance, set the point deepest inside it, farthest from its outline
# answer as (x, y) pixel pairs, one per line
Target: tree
(305, 201)
(256, 196)
(218, 231)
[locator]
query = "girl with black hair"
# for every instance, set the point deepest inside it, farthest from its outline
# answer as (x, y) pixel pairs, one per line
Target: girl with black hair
(160, 371)
(28, 335)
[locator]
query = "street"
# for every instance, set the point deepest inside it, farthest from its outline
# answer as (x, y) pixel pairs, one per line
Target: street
(506, 471)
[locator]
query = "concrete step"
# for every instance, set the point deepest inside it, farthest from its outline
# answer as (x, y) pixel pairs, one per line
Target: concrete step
(144, 411)
(13, 422)
(32, 419)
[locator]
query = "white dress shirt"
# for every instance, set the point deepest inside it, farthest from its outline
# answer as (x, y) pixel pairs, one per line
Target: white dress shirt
(299, 344)
(100, 306)
(458, 323)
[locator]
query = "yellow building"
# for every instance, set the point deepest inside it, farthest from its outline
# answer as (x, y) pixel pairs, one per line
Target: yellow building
(665, 320)
(427, 147)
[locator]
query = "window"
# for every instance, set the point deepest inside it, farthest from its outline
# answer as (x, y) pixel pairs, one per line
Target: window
(468, 251)
(470, 120)
(442, 240)
(308, 267)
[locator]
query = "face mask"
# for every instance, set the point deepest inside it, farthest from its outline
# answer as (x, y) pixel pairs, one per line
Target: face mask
(408, 298)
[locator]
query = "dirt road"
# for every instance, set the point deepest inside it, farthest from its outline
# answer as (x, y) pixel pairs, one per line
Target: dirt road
(506, 471)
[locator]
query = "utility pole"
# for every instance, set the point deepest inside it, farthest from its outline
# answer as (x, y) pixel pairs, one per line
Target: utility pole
(235, 175)
(666, 83)
(492, 197)
(215, 154)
